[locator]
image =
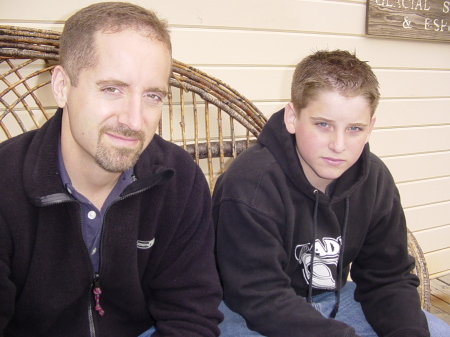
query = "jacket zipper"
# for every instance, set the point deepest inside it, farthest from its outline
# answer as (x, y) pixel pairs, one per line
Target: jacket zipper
(57, 199)
(91, 319)
(96, 290)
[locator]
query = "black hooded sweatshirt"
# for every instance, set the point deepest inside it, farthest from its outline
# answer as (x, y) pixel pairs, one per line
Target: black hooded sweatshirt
(269, 219)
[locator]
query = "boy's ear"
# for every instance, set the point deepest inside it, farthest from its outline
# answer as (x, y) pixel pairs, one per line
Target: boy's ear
(60, 85)
(290, 117)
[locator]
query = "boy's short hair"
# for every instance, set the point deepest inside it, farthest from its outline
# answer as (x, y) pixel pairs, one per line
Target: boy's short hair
(77, 44)
(336, 70)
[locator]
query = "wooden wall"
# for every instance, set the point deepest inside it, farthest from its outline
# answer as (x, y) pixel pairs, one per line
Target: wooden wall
(254, 45)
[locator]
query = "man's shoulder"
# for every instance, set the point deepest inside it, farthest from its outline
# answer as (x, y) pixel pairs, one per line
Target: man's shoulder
(14, 150)
(165, 152)
(163, 155)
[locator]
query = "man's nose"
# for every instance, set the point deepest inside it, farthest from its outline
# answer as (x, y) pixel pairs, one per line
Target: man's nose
(131, 114)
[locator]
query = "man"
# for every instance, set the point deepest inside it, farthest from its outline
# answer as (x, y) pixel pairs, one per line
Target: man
(310, 203)
(105, 228)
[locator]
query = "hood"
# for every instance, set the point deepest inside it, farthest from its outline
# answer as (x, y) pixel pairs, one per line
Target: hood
(281, 144)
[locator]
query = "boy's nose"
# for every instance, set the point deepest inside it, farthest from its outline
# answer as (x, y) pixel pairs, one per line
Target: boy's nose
(337, 142)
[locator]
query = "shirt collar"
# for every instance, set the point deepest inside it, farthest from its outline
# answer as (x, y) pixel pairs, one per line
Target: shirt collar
(124, 180)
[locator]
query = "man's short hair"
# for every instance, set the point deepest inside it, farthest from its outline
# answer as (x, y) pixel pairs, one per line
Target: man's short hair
(336, 70)
(77, 44)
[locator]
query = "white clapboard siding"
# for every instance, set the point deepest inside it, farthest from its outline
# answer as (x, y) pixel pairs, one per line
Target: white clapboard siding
(253, 45)
(408, 112)
(428, 216)
(424, 192)
(438, 262)
(410, 140)
(420, 166)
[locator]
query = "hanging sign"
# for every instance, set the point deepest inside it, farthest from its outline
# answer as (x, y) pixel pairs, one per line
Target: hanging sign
(415, 19)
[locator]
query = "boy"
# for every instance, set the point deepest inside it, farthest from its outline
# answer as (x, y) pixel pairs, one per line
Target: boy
(309, 204)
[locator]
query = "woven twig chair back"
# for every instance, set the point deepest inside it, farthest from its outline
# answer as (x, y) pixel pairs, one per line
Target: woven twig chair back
(208, 118)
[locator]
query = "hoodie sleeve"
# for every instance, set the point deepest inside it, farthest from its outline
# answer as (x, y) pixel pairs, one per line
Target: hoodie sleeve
(251, 258)
(382, 270)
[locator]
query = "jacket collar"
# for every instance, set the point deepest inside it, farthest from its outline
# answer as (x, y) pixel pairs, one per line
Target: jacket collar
(42, 181)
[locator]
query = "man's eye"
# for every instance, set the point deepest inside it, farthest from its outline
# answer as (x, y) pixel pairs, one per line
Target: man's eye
(110, 90)
(155, 97)
(322, 124)
(355, 128)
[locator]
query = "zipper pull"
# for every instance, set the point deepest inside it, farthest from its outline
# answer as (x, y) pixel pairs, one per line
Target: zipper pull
(97, 291)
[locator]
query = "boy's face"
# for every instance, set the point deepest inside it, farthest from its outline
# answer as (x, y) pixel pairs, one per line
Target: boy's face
(330, 133)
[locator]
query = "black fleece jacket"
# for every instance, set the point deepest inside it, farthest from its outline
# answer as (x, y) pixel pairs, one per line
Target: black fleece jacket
(263, 207)
(156, 261)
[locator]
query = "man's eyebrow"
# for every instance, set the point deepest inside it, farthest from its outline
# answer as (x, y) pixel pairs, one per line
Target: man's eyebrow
(112, 82)
(160, 90)
(118, 83)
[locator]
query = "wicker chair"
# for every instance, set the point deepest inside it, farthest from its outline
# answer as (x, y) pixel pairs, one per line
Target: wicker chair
(205, 116)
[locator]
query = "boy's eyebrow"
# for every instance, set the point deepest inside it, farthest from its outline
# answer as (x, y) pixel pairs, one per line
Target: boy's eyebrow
(125, 85)
(329, 121)
(321, 119)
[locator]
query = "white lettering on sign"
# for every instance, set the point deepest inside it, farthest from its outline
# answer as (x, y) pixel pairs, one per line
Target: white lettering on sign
(417, 5)
(446, 8)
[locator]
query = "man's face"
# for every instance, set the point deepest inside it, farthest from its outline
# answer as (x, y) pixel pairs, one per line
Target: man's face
(113, 112)
(330, 132)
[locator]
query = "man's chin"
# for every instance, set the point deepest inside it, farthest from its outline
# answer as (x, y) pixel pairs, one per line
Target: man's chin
(117, 161)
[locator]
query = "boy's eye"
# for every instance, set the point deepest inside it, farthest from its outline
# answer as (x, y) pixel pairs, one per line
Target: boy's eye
(322, 124)
(355, 128)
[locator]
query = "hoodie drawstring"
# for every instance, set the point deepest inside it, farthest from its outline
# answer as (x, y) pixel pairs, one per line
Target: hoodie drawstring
(313, 253)
(341, 255)
(340, 261)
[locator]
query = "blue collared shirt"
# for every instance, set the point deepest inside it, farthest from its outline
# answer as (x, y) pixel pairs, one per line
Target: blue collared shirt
(92, 218)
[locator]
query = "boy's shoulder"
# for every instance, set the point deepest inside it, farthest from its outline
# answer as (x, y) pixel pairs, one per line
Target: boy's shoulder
(255, 172)
(251, 163)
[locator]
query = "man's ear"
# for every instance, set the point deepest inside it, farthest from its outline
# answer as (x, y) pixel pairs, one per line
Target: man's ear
(60, 85)
(290, 117)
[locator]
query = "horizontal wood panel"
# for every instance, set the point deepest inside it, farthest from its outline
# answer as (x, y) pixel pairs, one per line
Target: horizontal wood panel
(433, 239)
(428, 216)
(414, 83)
(412, 112)
(417, 167)
(392, 142)
(253, 14)
(273, 83)
(425, 192)
(438, 262)
(250, 47)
